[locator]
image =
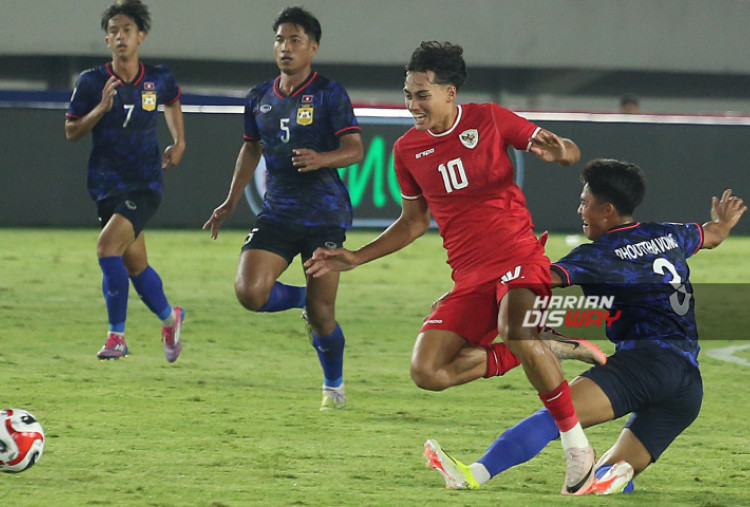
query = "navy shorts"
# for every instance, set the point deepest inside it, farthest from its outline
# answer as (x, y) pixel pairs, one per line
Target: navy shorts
(137, 207)
(290, 240)
(661, 389)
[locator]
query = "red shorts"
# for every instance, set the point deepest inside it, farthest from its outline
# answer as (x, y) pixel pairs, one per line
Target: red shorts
(471, 309)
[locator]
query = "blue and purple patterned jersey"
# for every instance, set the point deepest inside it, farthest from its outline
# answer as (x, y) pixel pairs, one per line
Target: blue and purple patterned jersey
(125, 156)
(644, 266)
(314, 116)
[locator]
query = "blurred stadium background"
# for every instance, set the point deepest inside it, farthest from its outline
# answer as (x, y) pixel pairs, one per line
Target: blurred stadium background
(684, 59)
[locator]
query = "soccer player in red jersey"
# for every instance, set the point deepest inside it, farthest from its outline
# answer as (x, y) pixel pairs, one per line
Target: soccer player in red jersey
(454, 164)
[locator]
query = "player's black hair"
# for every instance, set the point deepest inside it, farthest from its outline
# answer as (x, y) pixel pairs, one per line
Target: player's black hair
(619, 183)
(446, 60)
(132, 8)
(299, 16)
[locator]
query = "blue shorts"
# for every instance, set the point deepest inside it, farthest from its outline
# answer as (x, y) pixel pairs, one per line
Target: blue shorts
(137, 207)
(661, 389)
(290, 240)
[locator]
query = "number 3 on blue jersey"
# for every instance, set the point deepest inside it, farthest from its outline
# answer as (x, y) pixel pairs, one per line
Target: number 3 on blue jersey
(660, 267)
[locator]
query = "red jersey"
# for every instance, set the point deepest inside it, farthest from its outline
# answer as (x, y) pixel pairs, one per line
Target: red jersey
(466, 177)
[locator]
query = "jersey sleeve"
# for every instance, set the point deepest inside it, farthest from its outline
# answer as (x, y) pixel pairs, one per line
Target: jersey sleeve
(251, 126)
(169, 89)
(689, 236)
(409, 188)
(82, 98)
(579, 267)
(515, 130)
(341, 112)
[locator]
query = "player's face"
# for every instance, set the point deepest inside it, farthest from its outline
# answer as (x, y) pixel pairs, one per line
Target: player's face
(595, 215)
(293, 49)
(432, 105)
(123, 36)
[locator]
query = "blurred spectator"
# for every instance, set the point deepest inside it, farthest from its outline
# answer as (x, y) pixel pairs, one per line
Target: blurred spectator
(630, 104)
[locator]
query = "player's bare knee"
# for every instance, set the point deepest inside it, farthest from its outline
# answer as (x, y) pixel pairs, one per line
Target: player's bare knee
(322, 326)
(426, 378)
(104, 249)
(134, 266)
(249, 297)
(322, 317)
(134, 271)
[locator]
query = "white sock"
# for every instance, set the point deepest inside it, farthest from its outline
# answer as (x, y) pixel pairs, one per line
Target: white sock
(169, 321)
(481, 474)
(574, 437)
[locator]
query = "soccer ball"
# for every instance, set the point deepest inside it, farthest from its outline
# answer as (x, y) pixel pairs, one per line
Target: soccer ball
(21, 440)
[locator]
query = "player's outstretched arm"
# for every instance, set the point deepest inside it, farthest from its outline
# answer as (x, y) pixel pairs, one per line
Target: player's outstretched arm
(351, 151)
(173, 153)
(77, 129)
(413, 222)
(725, 213)
(553, 148)
(244, 167)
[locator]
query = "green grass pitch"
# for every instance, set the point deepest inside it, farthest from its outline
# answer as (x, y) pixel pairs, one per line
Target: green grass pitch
(235, 421)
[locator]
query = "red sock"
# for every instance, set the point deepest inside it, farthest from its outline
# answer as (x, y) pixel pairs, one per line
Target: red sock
(499, 360)
(560, 406)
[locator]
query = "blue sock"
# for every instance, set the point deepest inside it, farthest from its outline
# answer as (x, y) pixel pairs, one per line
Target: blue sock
(284, 297)
(148, 285)
(603, 470)
(520, 443)
(331, 354)
(115, 289)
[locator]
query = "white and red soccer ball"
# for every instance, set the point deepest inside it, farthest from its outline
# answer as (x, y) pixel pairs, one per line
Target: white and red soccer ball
(21, 440)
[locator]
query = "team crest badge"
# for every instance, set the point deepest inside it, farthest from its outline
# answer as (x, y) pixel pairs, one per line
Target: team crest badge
(305, 115)
(148, 101)
(469, 138)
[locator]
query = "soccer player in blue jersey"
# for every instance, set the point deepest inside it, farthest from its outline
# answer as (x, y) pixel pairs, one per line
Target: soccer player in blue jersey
(653, 375)
(117, 102)
(303, 124)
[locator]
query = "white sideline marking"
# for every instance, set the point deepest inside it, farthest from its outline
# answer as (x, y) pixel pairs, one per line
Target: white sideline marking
(727, 354)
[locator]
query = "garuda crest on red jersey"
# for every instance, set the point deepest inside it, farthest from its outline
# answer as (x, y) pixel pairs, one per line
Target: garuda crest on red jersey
(469, 138)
